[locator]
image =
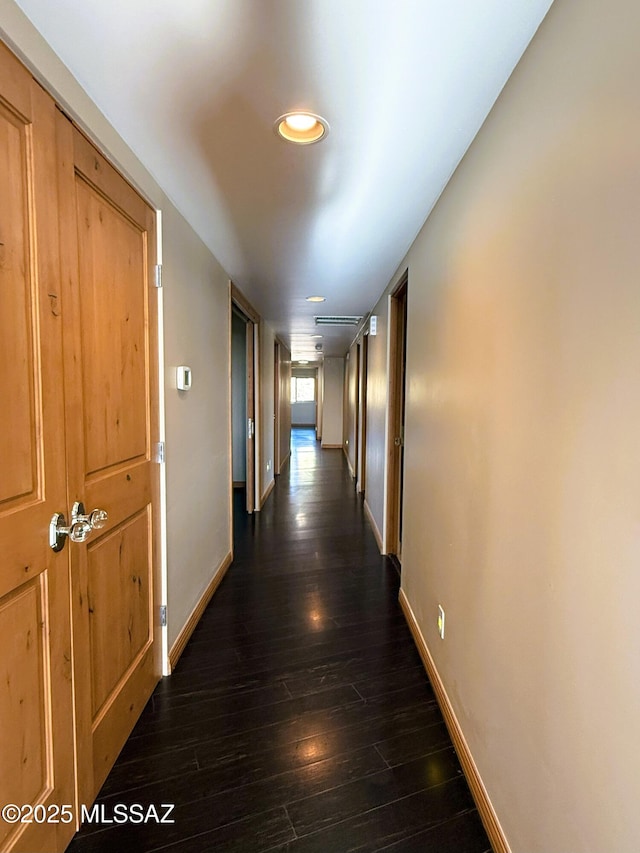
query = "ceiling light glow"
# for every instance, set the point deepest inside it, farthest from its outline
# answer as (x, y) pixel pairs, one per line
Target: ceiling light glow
(316, 298)
(303, 128)
(300, 122)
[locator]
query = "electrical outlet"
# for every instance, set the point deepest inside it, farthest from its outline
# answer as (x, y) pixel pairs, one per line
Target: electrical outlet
(441, 622)
(269, 465)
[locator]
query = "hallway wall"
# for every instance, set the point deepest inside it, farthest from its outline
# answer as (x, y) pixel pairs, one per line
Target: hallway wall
(196, 328)
(350, 407)
(267, 399)
(522, 472)
(196, 332)
(285, 404)
(305, 414)
(332, 397)
(522, 485)
(377, 400)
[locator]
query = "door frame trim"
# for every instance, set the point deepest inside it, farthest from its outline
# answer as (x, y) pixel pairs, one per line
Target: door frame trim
(237, 298)
(361, 462)
(397, 368)
(72, 143)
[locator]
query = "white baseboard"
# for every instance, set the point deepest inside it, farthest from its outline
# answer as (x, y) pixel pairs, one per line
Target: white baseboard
(196, 614)
(374, 526)
(267, 492)
(283, 463)
(479, 792)
(349, 465)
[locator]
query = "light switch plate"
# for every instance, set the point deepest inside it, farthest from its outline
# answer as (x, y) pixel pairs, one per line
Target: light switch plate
(183, 377)
(441, 622)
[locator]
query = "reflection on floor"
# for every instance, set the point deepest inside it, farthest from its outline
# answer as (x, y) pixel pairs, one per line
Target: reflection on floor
(299, 718)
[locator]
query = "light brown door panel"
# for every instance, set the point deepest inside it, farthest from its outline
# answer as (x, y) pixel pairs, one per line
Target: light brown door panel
(119, 585)
(110, 732)
(113, 323)
(36, 702)
(251, 416)
(79, 408)
(108, 249)
(124, 491)
(21, 480)
(25, 773)
(119, 582)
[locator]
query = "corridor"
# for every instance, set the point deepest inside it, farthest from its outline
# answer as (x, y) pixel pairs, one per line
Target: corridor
(299, 717)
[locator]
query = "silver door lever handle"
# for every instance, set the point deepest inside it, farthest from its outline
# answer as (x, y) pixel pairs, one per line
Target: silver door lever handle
(80, 527)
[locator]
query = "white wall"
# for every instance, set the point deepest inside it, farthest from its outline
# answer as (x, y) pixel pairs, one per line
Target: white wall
(377, 402)
(285, 404)
(522, 474)
(320, 409)
(303, 414)
(196, 332)
(333, 374)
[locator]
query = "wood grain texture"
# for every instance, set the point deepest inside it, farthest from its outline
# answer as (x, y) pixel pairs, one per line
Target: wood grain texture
(107, 253)
(36, 700)
(120, 580)
(24, 771)
(21, 473)
(111, 261)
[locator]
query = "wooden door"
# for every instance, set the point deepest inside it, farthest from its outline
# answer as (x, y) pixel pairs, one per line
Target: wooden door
(395, 455)
(36, 706)
(251, 420)
(362, 394)
(252, 321)
(108, 252)
(356, 406)
(276, 408)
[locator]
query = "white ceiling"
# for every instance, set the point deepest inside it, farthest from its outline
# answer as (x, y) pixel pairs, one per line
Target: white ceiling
(194, 87)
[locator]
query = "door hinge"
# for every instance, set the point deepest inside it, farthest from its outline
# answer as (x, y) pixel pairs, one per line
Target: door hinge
(159, 454)
(163, 615)
(157, 275)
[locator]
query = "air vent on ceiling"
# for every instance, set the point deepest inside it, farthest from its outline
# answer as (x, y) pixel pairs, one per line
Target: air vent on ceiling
(337, 320)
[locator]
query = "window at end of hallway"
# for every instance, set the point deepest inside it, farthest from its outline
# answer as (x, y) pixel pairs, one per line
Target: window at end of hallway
(303, 389)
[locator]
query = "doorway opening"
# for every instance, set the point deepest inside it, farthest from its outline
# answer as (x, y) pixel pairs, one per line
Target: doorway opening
(395, 451)
(304, 397)
(244, 328)
(361, 428)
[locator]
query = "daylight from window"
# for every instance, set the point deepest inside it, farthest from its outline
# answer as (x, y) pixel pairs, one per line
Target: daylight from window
(303, 389)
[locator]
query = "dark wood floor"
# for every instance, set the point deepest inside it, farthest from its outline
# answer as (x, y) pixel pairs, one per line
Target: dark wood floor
(299, 718)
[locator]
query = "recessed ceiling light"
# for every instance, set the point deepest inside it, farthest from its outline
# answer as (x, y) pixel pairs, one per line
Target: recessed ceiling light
(303, 128)
(316, 336)
(316, 298)
(300, 122)
(303, 361)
